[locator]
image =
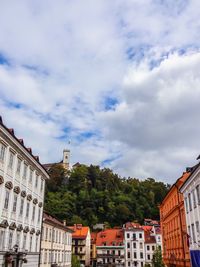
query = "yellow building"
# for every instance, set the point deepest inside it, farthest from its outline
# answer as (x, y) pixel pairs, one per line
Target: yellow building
(56, 245)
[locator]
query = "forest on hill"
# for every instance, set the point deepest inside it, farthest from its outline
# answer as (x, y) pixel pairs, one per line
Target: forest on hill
(90, 195)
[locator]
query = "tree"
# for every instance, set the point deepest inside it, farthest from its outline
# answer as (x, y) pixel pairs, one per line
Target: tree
(75, 261)
(157, 258)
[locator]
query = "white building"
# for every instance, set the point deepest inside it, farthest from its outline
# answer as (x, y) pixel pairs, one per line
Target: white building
(134, 240)
(22, 182)
(56, 246)
(191, 193)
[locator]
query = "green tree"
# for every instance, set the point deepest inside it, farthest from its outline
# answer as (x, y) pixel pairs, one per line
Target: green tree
(157, 258)
(75, 261)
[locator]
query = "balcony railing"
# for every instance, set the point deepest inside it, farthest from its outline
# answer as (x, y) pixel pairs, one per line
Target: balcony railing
(110, 255)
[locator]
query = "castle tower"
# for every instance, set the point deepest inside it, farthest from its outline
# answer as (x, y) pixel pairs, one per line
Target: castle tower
(66, 158)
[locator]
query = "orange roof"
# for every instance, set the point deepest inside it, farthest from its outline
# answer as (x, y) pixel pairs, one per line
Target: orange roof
(132, 225)
(80, 232)
(147, 228)
(110, 237)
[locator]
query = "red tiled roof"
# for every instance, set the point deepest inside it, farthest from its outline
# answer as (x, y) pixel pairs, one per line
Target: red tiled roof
(79, 231)
(110, 237)
(134, 225)
(147, 227)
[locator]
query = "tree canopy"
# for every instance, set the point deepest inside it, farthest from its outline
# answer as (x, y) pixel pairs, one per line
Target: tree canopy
(90, 195)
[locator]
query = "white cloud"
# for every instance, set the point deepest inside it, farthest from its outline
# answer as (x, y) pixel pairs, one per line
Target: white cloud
(66, 57)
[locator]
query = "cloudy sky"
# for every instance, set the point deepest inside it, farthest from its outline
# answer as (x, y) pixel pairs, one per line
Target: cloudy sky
(120, 79)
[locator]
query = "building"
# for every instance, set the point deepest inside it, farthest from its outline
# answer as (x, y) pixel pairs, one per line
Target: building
(134, 240)
(22, 182)
(149, 246)
(81, 242)
(93, 250)
(64, 162)
(173, 226)
(191, 192)
(110, 248)
(56, 245)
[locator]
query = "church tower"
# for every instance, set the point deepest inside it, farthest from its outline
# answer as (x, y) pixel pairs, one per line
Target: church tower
(66, 158)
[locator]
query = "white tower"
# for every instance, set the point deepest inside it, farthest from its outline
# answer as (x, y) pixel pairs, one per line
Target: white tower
(66, 158)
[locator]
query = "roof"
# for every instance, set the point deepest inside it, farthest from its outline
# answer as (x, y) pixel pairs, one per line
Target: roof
(21, 143)
(47, 218)
(147, 228)
(149, 239)
(93, 237)
(132, 225)
(192, 170)
(110, 237)
(79, 231)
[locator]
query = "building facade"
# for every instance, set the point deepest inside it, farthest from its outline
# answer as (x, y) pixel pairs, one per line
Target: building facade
(81, 243)
(110, 248)
(56, 245)
(191, 193)
(22, 183)
(173, 227)
(93, 250)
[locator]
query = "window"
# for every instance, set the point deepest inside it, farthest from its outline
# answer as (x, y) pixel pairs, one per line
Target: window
(135, 255)
(10, 239)
(198, 194)
(189, 199)
(36, 180)
(153, 248)
(141, 246)
(193, 234)
(128, 245)
(19, 162)
(21, 207)
(2, 239)
(148, 257)
(129, 264)
(27, 209)
(41, 185)
(18, 239)
(128, 255)
(25, 171)
(11, 160)
(189, 233)
(140, 235)
(39, 212)
(134, 245)
(31, 176)
(33, 214)
(119, 253)
(15, 203)
(134, 236)
(24, 242)
(141, 255)
(36, 243)
(2, 152)
(186, 205)
(197, 227)
(148, 248)
(194, 199)
(6, 202)
(128, 235)
(30, 245)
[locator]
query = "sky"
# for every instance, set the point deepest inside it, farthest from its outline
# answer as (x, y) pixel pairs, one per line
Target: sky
(118, 79)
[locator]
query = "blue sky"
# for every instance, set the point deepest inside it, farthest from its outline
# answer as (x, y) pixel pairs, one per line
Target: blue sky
(119, 79)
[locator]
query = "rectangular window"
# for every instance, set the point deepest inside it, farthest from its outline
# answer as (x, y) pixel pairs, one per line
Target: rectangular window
(19, 163)
(31, 176)
(6, 202)
(141, 246)
(46, 234)
(27, 209)
(36, 180)
(141, 255)
(41, 185)
(33, 214)
(134, 236)
(10, 240)
(135, 255)
(128, 245)
(25, 170)
(129, 255)
(189, 200)
(21, 207)
(194, 199)
(2, 152)
(24, 242)
(18, 239)
(186, 205)
(11, 160)
(189, 233)
(2, 239)
(198, 194)
(128, 235)
(140, 235)
(193, 234)
(148, 248)
(36, 243)
(134, 245)
(30, 245)
(15, 203)
(197, 227)
(153, 248)
(39, 211)
(148, 257)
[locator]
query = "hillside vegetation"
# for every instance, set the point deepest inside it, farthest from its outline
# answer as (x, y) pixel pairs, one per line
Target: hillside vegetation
(89, 194)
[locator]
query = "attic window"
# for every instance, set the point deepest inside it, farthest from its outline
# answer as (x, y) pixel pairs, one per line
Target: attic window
(104, 243)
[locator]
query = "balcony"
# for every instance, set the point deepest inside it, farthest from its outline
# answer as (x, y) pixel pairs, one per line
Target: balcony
(110, 255)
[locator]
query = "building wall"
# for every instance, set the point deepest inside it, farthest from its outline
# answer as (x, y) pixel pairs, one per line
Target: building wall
(56, 246)
(107, 255)
(173, 227)
(22, 182)
(191, 192)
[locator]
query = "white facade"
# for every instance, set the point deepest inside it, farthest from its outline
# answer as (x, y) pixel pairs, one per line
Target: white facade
(56, 246)
(22, 182)
(110, 255)
(134, 247)
(149, 251)
(191, 193)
